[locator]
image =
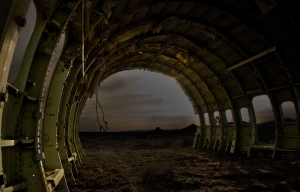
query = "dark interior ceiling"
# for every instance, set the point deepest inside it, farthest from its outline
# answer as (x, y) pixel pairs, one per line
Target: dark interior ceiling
(197, 42)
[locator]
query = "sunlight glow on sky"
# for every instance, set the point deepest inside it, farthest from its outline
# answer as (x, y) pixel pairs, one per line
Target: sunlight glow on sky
(140, 100)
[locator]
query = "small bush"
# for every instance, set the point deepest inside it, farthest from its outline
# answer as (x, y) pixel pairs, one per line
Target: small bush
(187, 142)
(150, 137)
(161, 143)
(157, 172)
(194, 181)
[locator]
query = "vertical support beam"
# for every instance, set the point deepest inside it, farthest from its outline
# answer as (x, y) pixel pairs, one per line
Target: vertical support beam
(73, 121)
(74, 101)
(223, 122)
(211, 122)
(253, 126)
(61, 128)
(77, 142)
(19, 164)
(65, 104)
(68, 124)
(278, 120)
(199, 132)
(297, 104)
(53, 147)
(80, 103)
(236, 127)
(8, 39)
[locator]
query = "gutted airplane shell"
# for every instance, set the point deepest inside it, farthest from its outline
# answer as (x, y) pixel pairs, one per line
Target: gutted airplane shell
(223, 53)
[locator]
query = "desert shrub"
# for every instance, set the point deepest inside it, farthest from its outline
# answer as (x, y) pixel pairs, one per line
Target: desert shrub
(141, 144)
(104, 180)
(116, 136)
(194, 181)
(126, 188)
(150, 137)
(187, 142)
(158, 172)
(97, 143)
(183, 142)
(161, 143)
(123, 137)
(177, 143)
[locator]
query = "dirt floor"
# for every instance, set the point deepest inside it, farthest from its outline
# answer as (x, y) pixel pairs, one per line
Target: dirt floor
(127, 162)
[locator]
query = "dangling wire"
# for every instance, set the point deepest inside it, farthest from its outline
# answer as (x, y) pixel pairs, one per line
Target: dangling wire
(98, 120)
(102, 53)
(96, 91)
(82, 36)
(96, 94)
(102, 112)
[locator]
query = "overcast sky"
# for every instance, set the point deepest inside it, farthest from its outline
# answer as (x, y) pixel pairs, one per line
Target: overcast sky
(140, 100)
(134, 100)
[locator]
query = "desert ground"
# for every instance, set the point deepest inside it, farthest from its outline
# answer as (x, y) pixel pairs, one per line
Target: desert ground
(155, 161)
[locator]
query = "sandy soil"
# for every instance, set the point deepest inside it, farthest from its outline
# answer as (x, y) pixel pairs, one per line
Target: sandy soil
(168, 163)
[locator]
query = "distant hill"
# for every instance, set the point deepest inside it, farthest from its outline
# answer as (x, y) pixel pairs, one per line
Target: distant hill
(137, 131)
(267, 124)
(272, 123)
(191, 127)
(158, 129)
(245, 123)
(290, 120)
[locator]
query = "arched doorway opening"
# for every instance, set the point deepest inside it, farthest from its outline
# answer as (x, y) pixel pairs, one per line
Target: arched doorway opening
(139, 100)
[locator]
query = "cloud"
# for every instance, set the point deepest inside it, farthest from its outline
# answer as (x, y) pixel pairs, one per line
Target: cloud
(121, 112)
(164, 118)
(134, 100)
(119, 83)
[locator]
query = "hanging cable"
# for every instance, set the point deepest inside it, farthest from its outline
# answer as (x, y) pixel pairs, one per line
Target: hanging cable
(82, 36)
(102, 112)
(98, 103)
(96, 94)
(96, 91)
(98, 120)
(99, 83)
